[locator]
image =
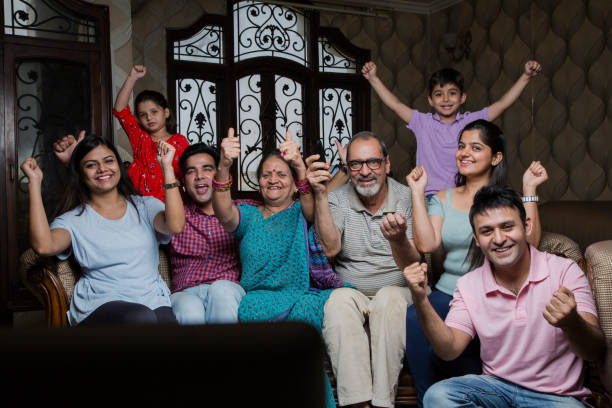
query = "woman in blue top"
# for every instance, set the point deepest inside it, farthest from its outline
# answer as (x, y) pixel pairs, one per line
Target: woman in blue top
(113, 232)
(443, 229)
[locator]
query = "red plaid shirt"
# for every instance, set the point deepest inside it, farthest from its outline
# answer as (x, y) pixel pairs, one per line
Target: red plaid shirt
(144, 171)
(204, 252)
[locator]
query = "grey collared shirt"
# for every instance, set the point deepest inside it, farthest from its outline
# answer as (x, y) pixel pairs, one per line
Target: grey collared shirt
(365, 259)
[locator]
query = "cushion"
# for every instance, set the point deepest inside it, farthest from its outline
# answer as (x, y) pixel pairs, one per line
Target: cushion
(561, 245)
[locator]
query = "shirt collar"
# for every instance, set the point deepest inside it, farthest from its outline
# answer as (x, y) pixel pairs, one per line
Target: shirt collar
(389, 206)
(457, 118)
(538, 271)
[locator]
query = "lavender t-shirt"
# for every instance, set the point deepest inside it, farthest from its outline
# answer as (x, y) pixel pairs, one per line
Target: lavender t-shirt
(437, 144)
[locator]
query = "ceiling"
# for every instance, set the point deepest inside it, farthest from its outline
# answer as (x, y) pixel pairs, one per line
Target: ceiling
(412, 6)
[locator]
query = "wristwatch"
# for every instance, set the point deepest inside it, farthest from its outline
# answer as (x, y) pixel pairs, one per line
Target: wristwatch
(168, 186)
(530, 199)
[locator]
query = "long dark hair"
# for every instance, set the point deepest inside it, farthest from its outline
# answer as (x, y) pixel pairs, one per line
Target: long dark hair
(158, 99)
(76, 193)
(493, 137)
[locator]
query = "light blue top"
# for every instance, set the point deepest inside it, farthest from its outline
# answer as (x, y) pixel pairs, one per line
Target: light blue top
(456, 238)
(118, 258)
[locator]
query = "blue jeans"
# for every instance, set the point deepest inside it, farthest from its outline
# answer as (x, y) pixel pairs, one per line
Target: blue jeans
(214, 303)
(487, 391)
(425, 366)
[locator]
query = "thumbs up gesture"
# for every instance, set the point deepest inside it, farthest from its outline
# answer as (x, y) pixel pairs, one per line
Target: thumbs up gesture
(230, 149)
(290, 152)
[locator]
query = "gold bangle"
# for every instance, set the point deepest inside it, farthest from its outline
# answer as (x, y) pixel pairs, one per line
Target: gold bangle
(168, 186)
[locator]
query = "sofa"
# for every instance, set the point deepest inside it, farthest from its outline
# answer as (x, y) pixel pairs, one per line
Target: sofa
(578, 230)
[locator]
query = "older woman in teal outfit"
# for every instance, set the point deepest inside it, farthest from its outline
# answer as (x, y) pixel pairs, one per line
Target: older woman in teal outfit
(274, 239)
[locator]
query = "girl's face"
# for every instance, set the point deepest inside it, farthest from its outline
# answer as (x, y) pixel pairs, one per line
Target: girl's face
(276, 182)
(151, 116)
(100, 170)
(473, 156)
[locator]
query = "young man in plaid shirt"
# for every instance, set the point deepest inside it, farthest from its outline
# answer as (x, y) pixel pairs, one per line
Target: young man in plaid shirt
(204, 257)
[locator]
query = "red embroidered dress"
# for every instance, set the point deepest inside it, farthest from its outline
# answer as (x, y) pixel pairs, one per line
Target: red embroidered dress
(144, 170)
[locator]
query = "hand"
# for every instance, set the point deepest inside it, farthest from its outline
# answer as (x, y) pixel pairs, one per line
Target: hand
(416, 276)
(32, 171)
(532, 68)
(138, 71)
(64, 147)
(291, 152)
(230, 149)
(534, 176)
(561, 309)
(341, 151)
(394, 227)
(165, 154)
(369, 70)
(417, 179)
(318, 174)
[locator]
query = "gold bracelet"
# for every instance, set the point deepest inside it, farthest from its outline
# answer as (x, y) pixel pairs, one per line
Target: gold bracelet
(168, 186)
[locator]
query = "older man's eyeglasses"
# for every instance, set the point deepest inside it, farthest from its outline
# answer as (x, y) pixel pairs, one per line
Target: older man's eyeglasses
(373, 164)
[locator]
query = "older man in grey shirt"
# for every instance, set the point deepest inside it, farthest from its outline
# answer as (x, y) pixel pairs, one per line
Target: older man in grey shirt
(366, 227)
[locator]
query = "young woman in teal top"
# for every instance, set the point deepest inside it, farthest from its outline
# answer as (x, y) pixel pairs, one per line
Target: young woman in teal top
(443, 229)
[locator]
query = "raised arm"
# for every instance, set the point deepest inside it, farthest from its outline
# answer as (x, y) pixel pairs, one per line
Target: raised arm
(44, 241)
(385, 95)
(64, 147)
(290, 152)
(426, 230)
(447, 342)
(534, 176)
(532, 68)
(318, 175)
(227, 213)
(403, 250)
(123, 97)
(172, 220)
(581, 329)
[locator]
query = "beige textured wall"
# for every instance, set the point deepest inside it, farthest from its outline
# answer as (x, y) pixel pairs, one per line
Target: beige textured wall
(563, 118)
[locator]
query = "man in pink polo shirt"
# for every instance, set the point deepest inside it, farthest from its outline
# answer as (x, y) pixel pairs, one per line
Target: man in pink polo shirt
(532, 311)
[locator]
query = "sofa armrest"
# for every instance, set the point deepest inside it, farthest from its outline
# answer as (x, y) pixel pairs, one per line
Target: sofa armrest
(39, 275)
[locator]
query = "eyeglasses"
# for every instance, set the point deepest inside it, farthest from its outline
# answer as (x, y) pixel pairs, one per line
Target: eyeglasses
(373, 164)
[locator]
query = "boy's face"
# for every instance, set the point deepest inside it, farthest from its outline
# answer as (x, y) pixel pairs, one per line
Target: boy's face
(446, 100)
(199, 171)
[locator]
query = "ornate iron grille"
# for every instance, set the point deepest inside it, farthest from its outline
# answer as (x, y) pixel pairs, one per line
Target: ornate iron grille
(197, 110)
(269, 30)
(331, 59)
(289, 108)
(248, 97)
(47, 20)
(335, 118)
(205, 46)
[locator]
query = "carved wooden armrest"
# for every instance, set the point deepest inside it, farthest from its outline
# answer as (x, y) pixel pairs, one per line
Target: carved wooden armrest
(39, 275)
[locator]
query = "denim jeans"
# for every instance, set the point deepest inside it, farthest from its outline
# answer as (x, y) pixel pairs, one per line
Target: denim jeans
(487, 391)
(214, 303)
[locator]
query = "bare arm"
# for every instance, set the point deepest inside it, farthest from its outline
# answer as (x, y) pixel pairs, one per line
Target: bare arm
(385, 95)
(581, 329)
(318, 175)
(447, 342)
(123, 97)
(534, 176)
(290, 151)
(426, 229)
(227, 213)
(171, 221)
(403, 250)
(532, 68)
(44, 241)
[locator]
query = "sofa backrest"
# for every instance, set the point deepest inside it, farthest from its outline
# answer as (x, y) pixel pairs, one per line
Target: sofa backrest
(585, 222)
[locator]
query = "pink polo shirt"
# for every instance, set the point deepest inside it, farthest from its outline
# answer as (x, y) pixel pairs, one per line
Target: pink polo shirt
(516, 343)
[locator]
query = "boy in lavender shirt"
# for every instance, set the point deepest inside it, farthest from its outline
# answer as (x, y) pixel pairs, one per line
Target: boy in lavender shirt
(437, 133)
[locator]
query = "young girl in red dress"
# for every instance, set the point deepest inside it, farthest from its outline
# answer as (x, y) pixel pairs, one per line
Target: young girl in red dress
(152, 123)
